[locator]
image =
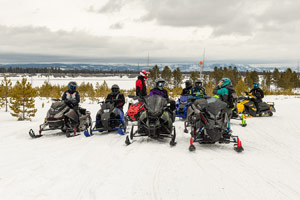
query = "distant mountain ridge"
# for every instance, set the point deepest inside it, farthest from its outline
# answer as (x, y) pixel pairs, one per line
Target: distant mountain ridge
(186, 67)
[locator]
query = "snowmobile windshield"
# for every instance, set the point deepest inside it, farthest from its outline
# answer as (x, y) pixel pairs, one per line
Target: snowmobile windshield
(58, 105)
(215, 105)
(184, 98)
(155, 104)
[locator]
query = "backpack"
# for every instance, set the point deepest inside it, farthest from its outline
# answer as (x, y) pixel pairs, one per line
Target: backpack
(232, 98)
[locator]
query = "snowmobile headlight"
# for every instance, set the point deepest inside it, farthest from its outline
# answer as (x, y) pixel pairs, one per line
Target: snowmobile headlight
(194, 118)
(106, 110)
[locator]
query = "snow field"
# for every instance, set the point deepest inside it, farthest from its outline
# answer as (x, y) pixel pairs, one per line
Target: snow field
(103, 167)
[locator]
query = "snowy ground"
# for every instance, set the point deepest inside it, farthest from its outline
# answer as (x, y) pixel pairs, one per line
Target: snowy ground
(103, 167)
(37, 81)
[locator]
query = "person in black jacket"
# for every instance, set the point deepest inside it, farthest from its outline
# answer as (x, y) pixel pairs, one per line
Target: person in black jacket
(116, 96)
(188, 87)
(258, 94)
(71, 97)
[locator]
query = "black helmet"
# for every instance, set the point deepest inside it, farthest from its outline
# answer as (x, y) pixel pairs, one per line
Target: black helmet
(188, 84)
(115, 89)
(198, 84)
(72, 86)
(160, 83)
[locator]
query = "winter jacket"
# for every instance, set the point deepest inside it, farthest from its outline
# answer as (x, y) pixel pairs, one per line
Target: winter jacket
(156, 91)
(71, 98)
(200, 93)
(258, 93)
(224, 92)
(119, 97)
(141, 88)
(186, 91)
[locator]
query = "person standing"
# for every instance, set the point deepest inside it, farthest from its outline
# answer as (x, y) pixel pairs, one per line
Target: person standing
(140, 84)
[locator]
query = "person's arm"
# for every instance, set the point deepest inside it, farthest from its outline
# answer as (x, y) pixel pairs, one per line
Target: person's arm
(167, 95)
(204, 92)
(262, 93)
(108, 98)
(121, 100)
(64, 96)
(215, 91)
(77, 98)
(138, 87)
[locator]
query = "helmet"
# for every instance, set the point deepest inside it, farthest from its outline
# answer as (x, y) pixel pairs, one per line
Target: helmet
(188, 84)
(144, 73)
(72, 86)
(198, 84)
(115, 89)
(226, 81)
(255, 84)
(160, 83)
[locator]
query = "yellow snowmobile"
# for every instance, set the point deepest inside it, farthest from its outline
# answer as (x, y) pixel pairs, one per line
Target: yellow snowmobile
(246, 106)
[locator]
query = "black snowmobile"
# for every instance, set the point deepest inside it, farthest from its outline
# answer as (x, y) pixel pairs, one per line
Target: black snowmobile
(108, 118)
(155, 122)
(208, 121)
(61, 116)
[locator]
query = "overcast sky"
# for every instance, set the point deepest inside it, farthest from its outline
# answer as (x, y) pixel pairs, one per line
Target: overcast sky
(228, 30)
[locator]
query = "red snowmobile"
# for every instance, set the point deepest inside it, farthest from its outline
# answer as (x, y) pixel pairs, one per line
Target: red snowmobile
(135, 107)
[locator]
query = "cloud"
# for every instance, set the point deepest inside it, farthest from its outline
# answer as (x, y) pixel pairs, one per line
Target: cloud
(231, 17)
(40, 40)
(118, 25)
(111, 6)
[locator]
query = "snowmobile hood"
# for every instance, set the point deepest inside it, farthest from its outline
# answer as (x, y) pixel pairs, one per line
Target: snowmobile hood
(155, 104)
(211, 104)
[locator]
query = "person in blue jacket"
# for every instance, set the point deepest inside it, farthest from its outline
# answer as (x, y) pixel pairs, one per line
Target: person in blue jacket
(198, 91)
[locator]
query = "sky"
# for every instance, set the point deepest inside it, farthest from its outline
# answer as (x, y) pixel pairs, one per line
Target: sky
(256, 30)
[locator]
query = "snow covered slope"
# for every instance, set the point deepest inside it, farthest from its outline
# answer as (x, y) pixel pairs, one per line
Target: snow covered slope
(103, 167)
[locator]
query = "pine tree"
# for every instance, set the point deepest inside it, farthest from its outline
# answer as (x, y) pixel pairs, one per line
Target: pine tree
(22, 100)
(154, 74)
(45, 90)
(177, 78)
(248, 80)
(5, 90)
(166, 74)
(240, 87)
(276, 77)
(195, 76)
(102, 90)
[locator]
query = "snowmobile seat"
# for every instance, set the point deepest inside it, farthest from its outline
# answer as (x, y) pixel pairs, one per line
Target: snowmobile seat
(82, 111)
(263, 106)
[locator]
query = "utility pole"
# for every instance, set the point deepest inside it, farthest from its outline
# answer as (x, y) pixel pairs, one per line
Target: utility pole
(148, 61)
(201, 67)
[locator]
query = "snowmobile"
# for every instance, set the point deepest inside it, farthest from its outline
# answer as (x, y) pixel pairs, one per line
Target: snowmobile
(61, 116)
(247, 107)
(108, 118)
(182, 105)
(135, 107)
(208, 120)
(155, 122)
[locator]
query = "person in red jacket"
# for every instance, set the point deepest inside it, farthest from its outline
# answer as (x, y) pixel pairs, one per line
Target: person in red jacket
(140, 84)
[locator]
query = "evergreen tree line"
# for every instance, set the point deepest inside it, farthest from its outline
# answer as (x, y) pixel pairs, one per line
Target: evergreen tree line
(20, 97)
